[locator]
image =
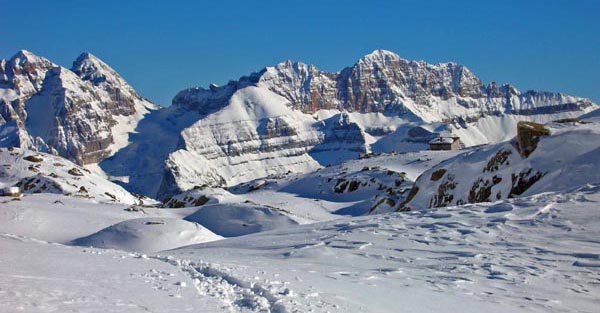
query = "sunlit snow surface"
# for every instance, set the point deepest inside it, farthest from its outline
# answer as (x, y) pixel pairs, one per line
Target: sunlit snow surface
(539, 254)
(534, 254)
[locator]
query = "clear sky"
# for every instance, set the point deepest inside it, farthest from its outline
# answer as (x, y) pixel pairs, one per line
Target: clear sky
(161, 47)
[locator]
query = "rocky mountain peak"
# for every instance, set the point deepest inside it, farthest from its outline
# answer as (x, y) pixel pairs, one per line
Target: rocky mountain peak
(306, 87)
(25, 62)
(84, 114)
(91, 68)
(25, 71)
(290, 72)
(263, 124)
(24, 56)
(383, 82)
(380, 57)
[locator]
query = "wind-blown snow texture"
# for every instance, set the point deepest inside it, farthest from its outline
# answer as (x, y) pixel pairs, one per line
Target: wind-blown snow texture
(533, 254)
(148, 235)
(530, 254)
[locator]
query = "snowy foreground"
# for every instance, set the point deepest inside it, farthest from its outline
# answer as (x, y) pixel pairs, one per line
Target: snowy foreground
(535, 254)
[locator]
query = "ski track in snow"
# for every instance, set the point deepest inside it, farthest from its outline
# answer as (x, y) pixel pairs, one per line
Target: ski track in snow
(240, 295)
(236, 295)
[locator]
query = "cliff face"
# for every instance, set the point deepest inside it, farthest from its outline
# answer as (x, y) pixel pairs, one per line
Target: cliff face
(83, 114)
(383, 82)
(255, 135)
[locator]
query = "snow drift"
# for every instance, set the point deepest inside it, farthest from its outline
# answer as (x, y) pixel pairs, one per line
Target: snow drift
(151, 234)
(231, 220)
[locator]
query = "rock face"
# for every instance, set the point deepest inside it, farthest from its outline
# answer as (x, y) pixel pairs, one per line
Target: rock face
(261, 124)
(528, 136)
(256, 135)
(83, 114)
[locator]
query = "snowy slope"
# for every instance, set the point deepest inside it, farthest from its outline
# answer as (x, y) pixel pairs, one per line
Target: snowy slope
(232, 220)
(494, 129)
(36, 172)
(532, 254)
(566, 158)
(265, 123)
(265, 206)
(278, 198)
(355, 187)
(42, 277)
(535, 254)
(290, 117)
(367, 186)
(255, 135)
(59, 218)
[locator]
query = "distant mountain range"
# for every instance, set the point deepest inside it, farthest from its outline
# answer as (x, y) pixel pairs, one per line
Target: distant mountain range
(288, 118)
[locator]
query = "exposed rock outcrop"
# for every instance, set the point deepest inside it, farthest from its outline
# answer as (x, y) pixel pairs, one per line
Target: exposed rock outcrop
(528, 136)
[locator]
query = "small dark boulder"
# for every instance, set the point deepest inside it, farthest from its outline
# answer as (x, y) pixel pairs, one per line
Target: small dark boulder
(34, 158)
(75, 172)
(435, 176)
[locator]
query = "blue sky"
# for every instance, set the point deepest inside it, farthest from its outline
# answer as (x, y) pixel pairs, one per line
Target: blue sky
(161, 47)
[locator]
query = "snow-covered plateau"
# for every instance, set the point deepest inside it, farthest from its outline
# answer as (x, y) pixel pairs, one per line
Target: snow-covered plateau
(295, 190)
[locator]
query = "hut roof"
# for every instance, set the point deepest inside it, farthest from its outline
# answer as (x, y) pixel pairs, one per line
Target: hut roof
(443, 140)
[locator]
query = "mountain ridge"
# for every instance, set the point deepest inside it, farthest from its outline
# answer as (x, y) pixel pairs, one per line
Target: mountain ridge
(288, 117)
(405, 87)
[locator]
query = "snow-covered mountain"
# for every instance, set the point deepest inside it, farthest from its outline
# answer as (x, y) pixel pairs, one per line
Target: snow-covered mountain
(385, 83)
(243, 248)
(291, 117)
(83, 114)
(294, 118)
